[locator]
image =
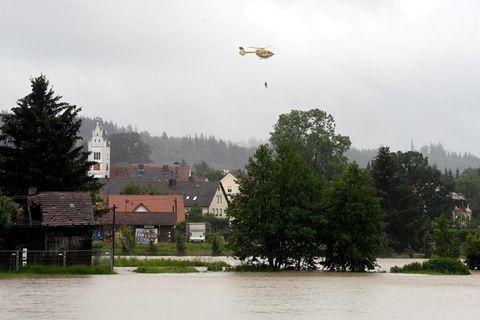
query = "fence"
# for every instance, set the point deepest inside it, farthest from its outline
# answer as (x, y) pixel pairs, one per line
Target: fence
(16, 259)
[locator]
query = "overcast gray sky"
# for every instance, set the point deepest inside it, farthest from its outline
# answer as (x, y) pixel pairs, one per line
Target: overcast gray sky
(388, 71)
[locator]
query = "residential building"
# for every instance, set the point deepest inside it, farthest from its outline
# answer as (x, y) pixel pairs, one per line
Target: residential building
(149, 216)
(461, 207)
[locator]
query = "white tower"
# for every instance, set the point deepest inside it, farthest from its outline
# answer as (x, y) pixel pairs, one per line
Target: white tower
(99, 148)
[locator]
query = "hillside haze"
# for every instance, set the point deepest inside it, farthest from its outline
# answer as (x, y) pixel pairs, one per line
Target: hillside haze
(223, 154)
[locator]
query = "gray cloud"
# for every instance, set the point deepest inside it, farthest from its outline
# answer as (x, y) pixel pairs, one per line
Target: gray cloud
(389, 71)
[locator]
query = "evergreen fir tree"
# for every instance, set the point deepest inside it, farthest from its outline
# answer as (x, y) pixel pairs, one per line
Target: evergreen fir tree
(39, 145)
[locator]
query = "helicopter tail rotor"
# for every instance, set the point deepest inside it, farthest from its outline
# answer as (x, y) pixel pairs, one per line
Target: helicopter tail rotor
(242, 51)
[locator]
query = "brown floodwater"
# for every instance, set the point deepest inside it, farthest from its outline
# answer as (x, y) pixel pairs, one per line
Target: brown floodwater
(286, 295)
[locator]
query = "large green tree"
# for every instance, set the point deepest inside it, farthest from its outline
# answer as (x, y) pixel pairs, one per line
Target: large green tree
(312, 134)
(277, 216)
(412, 194)
(39, 145)
(353, 235)
(446, 243)
(468, 183)
(129, 147)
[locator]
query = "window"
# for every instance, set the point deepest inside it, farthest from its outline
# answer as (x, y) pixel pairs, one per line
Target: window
(96, 156)
(229, 189)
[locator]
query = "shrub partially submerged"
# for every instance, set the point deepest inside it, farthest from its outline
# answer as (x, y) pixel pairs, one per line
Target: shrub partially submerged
(434, 266)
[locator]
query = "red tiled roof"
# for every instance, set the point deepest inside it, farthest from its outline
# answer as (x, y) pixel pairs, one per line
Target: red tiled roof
(153, 203)
(64, 208)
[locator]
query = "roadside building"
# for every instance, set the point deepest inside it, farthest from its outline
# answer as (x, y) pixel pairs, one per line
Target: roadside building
(148, 216)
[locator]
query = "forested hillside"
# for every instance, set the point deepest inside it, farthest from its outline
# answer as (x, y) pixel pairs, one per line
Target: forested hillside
(217, 153)
(436, 154)
(222, 154)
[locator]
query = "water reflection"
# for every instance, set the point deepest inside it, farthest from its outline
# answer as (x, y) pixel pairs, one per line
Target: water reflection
(241, 296)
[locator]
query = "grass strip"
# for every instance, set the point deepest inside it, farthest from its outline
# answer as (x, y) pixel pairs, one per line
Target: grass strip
(165, 270)
(170, 263)
(40, 270)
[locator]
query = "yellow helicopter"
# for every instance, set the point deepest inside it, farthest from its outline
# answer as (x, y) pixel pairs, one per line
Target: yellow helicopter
(262, 53)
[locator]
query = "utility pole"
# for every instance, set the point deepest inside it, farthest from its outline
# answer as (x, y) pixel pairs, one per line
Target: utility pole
(113, 235)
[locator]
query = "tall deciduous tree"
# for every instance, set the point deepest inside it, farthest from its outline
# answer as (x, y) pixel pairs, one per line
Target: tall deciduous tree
(312, 134)
(277, 214)
(39, 145)
(469, 184)
(353, 233)
(446, 244)
(413, 194)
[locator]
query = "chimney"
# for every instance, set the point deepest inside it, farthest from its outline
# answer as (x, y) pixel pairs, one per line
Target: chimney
(32, 191)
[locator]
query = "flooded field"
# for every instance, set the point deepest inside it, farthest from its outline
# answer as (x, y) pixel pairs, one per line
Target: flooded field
(287, 295)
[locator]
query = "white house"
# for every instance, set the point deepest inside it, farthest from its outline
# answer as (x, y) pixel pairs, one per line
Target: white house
(227, 188)
(99, 148)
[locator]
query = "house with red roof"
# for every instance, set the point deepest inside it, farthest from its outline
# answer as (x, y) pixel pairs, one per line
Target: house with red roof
(146, 215)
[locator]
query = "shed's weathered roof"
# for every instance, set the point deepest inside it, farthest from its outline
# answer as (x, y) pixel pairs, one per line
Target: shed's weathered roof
(64, 208)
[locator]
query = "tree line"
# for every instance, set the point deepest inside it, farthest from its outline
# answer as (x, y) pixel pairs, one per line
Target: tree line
(301, 200)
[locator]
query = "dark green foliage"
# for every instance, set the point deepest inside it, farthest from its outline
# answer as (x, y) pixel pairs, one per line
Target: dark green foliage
(276, 217)
(202, 169)
(312, 134)
(472, 250)
(353, 232)
(181, 227)
(446, 244)
(469, 184)
(217, 244)
(40, 145)
(8, 213)
(180, 243)
(129, 147)
(132, 188)
(440, 265)
(413, 194)
(195, 214)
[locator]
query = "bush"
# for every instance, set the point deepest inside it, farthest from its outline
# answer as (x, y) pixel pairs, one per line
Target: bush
(438, 265)
(217, 244)
(180, 244)
(472, 250)
(127, 239)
